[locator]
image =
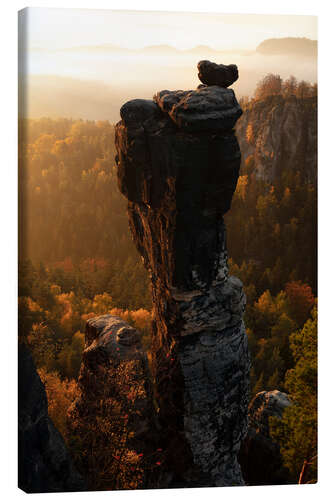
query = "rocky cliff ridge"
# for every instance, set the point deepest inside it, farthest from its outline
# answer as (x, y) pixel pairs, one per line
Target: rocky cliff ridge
(279, 130)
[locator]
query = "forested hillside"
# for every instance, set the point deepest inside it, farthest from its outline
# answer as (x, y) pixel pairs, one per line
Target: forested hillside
(272, 226)
(70, 205)
(77, 258)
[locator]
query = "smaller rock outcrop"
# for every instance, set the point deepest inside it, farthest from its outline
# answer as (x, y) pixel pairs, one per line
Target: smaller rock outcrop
(260, 457)
(113, 418)
(217, 74)
(44, 464)
(264, 405)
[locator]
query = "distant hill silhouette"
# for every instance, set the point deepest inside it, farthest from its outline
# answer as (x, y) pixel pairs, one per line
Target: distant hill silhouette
(290, 45)
(159, 49)
(273, 46)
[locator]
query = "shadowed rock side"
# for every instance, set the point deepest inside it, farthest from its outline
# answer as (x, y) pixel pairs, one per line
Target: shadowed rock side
(260, 456)
(113, 418)
(178, 163)
(44, 464)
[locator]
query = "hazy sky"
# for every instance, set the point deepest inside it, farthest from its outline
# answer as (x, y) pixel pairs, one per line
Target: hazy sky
(59, 28)
(93, 84)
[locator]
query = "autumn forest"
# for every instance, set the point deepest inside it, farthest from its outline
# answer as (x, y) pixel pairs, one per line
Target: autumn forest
(77, 261)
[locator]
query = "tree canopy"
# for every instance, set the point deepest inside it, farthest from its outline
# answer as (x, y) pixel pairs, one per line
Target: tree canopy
(297, 430)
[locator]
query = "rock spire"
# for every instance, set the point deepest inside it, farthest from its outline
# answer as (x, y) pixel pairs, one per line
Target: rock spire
(178, 164)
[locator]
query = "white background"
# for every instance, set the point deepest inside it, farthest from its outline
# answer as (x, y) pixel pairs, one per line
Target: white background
(8, 213)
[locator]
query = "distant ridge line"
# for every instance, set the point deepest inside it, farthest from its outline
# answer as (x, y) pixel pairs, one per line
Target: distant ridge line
(271, 46)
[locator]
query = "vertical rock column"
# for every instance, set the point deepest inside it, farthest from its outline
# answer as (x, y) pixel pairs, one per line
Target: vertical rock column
(178, 163)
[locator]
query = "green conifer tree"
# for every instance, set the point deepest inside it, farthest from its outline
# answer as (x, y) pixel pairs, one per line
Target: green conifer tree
(297, 430)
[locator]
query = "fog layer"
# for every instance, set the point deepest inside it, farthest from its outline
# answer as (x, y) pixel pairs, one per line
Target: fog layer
(93, 83)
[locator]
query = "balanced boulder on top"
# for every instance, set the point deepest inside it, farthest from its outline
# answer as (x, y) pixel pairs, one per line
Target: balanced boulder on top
(217, 74)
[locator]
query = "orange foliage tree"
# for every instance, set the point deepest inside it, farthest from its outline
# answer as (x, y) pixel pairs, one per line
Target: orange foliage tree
(60, 395)
(300, 300)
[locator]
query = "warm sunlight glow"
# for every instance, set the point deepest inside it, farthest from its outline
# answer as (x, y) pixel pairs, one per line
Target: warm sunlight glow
(104, 57)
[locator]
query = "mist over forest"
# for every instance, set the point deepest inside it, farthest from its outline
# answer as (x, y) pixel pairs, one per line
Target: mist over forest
(92, 82)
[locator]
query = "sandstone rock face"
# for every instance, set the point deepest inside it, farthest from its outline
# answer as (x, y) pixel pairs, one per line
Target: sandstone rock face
(217, 74)
(44, 463)
(278, 130)
(178, 162)
(113, 418)
(260, 456)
